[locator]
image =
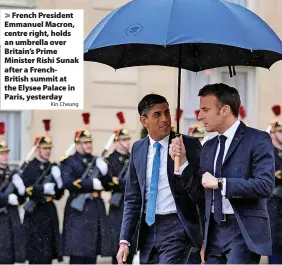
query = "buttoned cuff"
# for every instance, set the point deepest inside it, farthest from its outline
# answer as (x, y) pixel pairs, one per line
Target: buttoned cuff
(125, 241)
(181, 169)
(223, 190)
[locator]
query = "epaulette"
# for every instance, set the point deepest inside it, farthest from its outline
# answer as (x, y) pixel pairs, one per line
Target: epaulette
(64, 158)
(278, 174)
(108, 154)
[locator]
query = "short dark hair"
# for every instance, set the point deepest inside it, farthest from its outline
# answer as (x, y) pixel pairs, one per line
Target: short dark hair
(225, 94)
(148, 102)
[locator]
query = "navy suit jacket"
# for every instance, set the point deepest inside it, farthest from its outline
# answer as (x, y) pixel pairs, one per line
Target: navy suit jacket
(186, 190)
(249, 171)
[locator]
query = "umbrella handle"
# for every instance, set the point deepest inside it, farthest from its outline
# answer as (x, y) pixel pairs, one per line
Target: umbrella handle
(176, 164)
(177, 161)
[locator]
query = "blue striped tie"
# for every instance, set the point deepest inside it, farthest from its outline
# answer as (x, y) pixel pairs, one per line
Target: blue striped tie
(151, 203)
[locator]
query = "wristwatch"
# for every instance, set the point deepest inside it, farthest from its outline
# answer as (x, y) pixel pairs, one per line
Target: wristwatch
(220, 182)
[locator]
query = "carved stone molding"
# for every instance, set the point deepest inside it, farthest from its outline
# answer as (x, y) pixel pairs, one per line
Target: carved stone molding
(18, 3)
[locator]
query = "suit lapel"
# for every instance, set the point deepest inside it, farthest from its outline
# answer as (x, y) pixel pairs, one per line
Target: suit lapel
(143, 162)
(211, 156)
(236, 140)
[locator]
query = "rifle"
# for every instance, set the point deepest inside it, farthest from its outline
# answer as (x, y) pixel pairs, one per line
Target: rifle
(29, 206)
(79, 202)
(3, 187)
(123, 171)
(8, 187)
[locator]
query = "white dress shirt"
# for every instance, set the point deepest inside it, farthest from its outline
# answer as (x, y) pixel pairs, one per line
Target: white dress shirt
(226, 206)
(165, 201)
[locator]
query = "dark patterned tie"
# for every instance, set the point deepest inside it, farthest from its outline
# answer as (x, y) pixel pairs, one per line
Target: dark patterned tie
(217, 192)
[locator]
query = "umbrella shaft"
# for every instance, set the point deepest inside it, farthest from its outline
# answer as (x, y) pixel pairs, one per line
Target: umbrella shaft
(179, 88)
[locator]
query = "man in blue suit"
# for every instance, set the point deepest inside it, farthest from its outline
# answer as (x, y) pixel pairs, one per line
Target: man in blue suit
(161, 207)
(238, 177)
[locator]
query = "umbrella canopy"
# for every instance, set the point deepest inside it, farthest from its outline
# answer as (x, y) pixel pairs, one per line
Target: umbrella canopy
(188, 34)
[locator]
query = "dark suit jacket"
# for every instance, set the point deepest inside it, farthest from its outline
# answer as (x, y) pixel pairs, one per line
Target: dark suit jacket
(249, 172)
(186, 190)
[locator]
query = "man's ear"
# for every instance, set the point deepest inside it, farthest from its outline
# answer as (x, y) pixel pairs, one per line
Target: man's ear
(143, 120)
(226, 110)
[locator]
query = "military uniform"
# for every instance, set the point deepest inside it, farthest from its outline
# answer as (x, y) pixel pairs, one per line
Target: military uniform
(275, 206)
(12, 247)
(118, 163)
(86, 231)
(43, 240)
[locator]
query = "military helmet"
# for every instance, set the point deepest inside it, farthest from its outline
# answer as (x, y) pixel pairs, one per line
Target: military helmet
(84, 134)
(44, 140)
(195, 130)
(276, 126)
(121, 133)
(3, 145)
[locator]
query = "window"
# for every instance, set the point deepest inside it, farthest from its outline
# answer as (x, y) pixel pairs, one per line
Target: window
(192, 83)
(13, 133)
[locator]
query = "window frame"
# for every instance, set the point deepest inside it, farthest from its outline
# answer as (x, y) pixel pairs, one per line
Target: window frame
(25, 136)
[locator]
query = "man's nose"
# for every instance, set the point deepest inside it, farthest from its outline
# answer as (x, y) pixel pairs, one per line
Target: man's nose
(165, 118)
(200, 115)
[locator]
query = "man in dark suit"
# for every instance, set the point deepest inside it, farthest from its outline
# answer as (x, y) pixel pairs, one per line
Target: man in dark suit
(238, 176)
(275, 201)
(161, 208)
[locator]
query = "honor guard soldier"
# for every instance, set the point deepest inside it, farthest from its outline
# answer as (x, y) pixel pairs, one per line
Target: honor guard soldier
(12, 190)
(118, 163)
(85, 229)
(196, 131)
(177, 113)
(243, 114)
(275, 201)
(44, 184)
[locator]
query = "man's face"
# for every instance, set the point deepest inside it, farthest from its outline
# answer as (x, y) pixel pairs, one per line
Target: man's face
(124, 145)
(4, 158)
(278, 136)
(210, 113)
(87, 147)
(45, 152)
(157, 121)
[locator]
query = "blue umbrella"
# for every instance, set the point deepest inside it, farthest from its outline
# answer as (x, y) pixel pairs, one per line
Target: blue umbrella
(188, 34)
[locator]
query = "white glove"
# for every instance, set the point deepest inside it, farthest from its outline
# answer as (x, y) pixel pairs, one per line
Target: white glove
(18, 182)
(56, 173)
(102, 165)
(97, 185)
(13, 199)
(49, 188)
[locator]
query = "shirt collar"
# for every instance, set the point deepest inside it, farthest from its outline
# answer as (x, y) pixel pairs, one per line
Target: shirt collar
(163, 142)
(232, 130)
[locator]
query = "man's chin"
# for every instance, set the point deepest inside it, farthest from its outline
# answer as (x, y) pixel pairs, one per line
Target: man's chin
(210, 130)
(166, 133)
